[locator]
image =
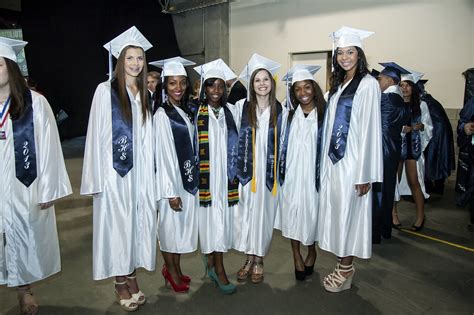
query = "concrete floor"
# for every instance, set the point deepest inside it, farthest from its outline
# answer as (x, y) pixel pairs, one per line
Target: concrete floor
(407, 274)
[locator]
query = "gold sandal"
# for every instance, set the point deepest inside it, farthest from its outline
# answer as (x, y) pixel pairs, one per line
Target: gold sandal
(244, 272)
(257, 272)
(28, 304)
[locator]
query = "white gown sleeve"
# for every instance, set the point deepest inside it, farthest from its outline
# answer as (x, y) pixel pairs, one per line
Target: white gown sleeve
(53, 180)
(92, 172)
(370, 163)
(427, 133)
(167, 159)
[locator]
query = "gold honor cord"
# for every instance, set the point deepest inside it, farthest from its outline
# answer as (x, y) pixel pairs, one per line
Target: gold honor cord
(469, 249)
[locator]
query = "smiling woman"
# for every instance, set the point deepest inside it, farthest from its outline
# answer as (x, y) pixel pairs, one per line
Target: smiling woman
(261, 120)
(351, 158)
(118, 159)
(176, 175)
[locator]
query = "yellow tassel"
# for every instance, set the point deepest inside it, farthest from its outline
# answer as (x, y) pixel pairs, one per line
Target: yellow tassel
(254, 177)
(274, 190)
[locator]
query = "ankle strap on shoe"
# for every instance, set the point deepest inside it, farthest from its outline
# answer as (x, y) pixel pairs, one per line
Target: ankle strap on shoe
(120, 283)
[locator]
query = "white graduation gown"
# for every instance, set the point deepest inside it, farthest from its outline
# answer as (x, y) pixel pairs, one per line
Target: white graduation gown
(215, 221)
(177, 230)
(256, 212)
(124, 208)
(426, 135)
(29, 246)
(345, 219)
(298, 199)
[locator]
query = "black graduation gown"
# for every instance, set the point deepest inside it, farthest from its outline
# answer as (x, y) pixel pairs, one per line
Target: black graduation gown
(439, 154)
(395, 115)
(237, 92)
(465, 173)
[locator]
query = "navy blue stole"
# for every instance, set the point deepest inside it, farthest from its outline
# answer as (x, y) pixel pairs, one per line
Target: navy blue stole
(340, 130)
(187, 159)
(232, 144)
(122, 135)
(284, 148)
(245, 153)
(24, 144)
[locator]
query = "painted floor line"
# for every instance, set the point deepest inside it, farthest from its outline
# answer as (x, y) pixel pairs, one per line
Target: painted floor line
(469, 249)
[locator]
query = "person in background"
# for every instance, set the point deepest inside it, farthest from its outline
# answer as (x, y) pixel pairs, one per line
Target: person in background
(153, 85)
(299, 161)
(351, 158)
(416, 136)
(465, 173)
(439, 154)
(118, 161)
(394, 115)
(33, 177)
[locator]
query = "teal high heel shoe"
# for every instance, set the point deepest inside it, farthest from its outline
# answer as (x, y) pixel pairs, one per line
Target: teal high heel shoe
(225, 288)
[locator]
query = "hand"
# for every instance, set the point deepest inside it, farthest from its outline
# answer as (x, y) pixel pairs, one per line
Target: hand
(362, 189)
(407, 129)
(176, 204)
(419, 126)
(45, 205)
(469, 128)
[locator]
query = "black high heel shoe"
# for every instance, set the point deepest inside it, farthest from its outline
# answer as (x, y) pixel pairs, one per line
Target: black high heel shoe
(308, 270)
(415, 228)
(300, 275)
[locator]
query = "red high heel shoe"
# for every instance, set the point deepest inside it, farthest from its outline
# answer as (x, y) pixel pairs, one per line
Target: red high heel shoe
(185, 278)
(183, 287)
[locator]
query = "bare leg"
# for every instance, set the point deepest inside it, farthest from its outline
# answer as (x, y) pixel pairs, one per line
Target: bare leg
(28, 304)
(412, 178)
(297, 258)
(219, 267)
(177, 264)
(311, 257)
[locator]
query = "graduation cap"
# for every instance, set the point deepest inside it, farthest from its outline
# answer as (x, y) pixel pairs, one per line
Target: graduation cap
(300, 72)
(10, 48)
(393, 70)
(258, 62)
(173, 66)
(215, 69)
(131, 37)
(414, 76)
(348, 36)
(375, 73)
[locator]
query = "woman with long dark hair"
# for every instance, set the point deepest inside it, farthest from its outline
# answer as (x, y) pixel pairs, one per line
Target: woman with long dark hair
(118, 161)
(33, 177)
(299, 195)
(177, 172)
(417, 135)
(218, 186)
(351, 158)
(260, 119)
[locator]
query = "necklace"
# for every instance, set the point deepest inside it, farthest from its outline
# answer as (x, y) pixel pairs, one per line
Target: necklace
(216, 111)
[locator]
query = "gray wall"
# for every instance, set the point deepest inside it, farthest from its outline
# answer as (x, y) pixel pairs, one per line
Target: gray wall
(203, 35)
